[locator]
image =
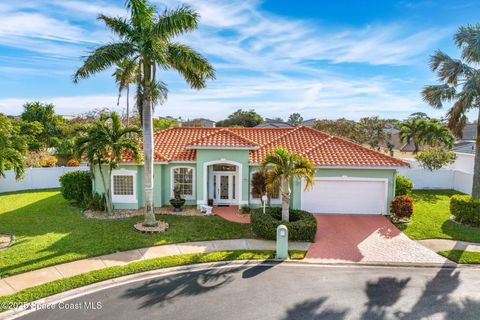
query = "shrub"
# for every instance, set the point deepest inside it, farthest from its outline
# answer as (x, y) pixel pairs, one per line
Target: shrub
(465, 209)
(96, 202)
(40, 160)
(402, 207)
(301, 227)
(76, 186)
(403, 186)
(73, 163)
(245, 209)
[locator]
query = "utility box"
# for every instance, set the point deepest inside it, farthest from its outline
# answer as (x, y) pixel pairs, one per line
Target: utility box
(282, 242)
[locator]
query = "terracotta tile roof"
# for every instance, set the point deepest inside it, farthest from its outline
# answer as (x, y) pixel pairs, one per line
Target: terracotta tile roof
(178, 144)
(223, 137)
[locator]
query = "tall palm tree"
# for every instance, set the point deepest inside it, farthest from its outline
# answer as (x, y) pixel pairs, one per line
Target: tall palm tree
(280, 167)
(13, 148)
(104, 143)
(146, 38)
(461, 86)
(125, 75)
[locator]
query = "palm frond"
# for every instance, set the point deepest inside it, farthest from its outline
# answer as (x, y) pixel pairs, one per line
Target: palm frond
(175, 22)
(103, 58)
(190, 64)
(117, 25)
(435, 95)
(467, 38)
(448, 69)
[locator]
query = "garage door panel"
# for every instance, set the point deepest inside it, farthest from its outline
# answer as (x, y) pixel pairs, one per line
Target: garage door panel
(346, 196)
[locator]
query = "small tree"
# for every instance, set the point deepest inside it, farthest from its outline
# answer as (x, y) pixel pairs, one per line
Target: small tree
(295, 119)
(435, 158)
(13, 148)
(280, 167)
(104, 143)
(260, 187)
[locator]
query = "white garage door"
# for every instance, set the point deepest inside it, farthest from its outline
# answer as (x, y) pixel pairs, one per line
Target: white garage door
(349, 196)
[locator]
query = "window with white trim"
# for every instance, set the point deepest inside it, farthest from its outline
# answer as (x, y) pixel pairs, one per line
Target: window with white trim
(183, 179)
(124, 186)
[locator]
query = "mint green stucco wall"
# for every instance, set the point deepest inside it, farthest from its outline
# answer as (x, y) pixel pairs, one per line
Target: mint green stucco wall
(241, 156)
(164, 181)
(354, 173)
(98, 185)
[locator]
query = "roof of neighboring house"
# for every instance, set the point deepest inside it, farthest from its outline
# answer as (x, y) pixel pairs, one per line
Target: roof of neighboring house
(273, 123)
(465, 147)
(180, 144)
(309, 122)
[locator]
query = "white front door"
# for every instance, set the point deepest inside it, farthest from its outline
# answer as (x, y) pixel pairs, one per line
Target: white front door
(223, 188)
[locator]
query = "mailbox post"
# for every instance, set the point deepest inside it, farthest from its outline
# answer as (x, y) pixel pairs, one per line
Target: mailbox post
(282, 242)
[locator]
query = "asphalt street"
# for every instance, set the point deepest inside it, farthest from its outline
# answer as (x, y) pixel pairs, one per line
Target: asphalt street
(284, 291)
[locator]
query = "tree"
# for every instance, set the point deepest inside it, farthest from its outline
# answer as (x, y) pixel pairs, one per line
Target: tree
(146, 37)
(162, 124)
(104, 143)
(241, 118)
(125, 75)
(13, 148)
(437, 135)
(280, 167)
(295, 119)
(341, 127)
(435, 158)
(371, 131)
(419, 115)
(44, 114)
(260, 187)
(459, 86)
(413, 131)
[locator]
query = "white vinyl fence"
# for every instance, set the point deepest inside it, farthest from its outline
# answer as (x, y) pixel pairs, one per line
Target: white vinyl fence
(458, 176)
(35, 178)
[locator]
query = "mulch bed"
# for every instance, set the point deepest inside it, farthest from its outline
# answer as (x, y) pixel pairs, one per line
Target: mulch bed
(123, 214)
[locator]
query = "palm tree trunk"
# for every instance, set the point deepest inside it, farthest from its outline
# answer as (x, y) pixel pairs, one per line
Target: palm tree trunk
(286, 200)
(106, 189)
(476, 166)
(128, 105)
(148, 145)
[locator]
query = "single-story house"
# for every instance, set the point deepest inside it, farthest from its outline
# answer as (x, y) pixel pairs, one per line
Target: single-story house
(219, 163)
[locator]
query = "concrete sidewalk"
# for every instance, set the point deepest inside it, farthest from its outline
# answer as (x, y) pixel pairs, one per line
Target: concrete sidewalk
(25, 280)
(447, 244)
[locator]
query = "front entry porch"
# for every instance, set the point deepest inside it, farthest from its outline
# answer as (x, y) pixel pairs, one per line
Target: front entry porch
(223, 184)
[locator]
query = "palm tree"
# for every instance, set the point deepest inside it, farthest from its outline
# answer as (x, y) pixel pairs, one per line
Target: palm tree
(280, 167)
(125, 75)
(413, 131)
(13, 148)
(104, 144)
(146, 38)
(438, 135)
(461, 86)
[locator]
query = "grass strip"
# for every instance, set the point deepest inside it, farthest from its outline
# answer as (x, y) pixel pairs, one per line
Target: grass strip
(462, 256)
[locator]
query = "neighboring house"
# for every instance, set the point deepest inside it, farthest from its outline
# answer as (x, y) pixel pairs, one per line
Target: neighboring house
(467, 143)
(199, 123)
(309, 122)
(273, 123)
(218, 164)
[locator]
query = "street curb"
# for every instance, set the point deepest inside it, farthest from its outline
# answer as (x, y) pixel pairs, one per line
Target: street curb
(95, 287)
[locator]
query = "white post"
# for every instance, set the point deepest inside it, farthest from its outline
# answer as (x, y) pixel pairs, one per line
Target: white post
(264, 200)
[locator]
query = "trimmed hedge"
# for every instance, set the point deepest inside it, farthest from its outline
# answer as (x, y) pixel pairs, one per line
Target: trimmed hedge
(402, 206)
(76, 186)
(465, 209)
(403, 186)
(301, 227)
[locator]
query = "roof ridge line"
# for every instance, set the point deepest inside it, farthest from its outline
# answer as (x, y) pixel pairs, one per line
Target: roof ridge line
(243, 138)
(290, 131)
(207, 136)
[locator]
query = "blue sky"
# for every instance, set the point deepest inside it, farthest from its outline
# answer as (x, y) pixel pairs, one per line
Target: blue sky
(323, 59)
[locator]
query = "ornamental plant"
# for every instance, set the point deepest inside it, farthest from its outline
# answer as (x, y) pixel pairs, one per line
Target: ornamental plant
(402, 207)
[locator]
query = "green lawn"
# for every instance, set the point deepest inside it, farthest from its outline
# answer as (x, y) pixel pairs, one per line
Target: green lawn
(431, 218)
(49, 231)
(461, 256)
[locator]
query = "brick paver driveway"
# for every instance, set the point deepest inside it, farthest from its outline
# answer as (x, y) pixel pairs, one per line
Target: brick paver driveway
(365, 238)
